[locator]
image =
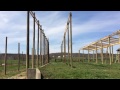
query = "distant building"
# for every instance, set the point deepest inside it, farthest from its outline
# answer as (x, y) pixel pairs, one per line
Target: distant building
(118, 50)
(59, 56)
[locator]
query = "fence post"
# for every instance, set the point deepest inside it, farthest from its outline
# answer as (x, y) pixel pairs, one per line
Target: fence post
(18, 56)
(27, 45)
(5, 60)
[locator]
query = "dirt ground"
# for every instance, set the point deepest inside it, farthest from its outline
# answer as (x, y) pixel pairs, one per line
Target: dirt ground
(19, 76)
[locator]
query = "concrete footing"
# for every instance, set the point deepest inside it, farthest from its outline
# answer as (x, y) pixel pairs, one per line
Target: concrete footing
(34, 73)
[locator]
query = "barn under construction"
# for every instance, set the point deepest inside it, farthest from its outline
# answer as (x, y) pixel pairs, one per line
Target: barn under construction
(105, 43)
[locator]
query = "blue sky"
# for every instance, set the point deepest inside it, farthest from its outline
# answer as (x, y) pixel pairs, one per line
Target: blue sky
(88, 26)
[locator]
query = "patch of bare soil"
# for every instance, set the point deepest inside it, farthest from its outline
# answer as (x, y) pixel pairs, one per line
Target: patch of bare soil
(19, 76)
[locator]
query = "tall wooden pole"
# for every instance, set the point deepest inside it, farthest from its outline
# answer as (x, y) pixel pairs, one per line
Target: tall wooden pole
(109, 50)
(5, 60)
(41, 44)
(83, 55)
(93, 55)
(79, 55)
(68, 44)
(38, 47)
(27, 44)
(61, 52)
(33, 54)
(88, 55)
(101, 52)
(48, 51)
(18, 56)
(64, 49)
(112, 54)
(96, 54)
(106, 55)
(71, 40)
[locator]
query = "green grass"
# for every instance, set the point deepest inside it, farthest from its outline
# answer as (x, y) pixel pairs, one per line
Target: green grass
(11, 68)
(82, 70)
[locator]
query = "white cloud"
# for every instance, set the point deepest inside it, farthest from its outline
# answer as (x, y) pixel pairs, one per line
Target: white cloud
(13, 25)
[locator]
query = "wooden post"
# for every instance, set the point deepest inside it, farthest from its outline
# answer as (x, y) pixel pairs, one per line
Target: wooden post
(45, 51)
(71, 40)
(5, 60)
(43, 48)
(37, 64)
(93, 55)
(64, 49)
(106, 55)
(22, 58)
(35, 58)
(109, 50)
(112, 54)
(41, 44)
(96, 54)
(18, 56)
(88, 55)
(33, 54)
(48, 50)
(119, 51)
(79, 55)
(68, 44)
(83, 55)
(27, 44)
(118, 56)
(61, 52)
(101, 52)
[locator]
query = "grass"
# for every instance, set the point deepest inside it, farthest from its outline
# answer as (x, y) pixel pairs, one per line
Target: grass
(82, 70)
(11, 68)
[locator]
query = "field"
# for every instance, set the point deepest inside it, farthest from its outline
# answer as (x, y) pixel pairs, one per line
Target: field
(81, 70)
(11, 68)
(60, 70)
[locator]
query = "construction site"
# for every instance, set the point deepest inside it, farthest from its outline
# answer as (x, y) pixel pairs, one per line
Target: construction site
(99, 59)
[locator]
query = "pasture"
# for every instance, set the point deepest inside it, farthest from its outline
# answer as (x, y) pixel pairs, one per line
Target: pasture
(81, 70)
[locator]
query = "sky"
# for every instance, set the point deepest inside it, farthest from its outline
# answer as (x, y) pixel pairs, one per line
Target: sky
(87, 27)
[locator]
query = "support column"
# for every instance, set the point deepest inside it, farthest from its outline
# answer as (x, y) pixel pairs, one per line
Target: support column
(68, 44)
(83, 55)
(109, 50)
(41, 44)
(18, 56)
(79, 55)
(71, 40)
(101, 52)
(64, 49)
(88, 55)
(112, 55)
(37, 63)
(27, 45)
(93, 55)
(61, 51)
(33, 56)
(96, 54)
(106, 55)
(5, 60)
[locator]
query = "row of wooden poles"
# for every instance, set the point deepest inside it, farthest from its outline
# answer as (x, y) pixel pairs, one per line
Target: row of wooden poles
(109, 53)
(5, 58)
(42, 48)
(68, 30)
